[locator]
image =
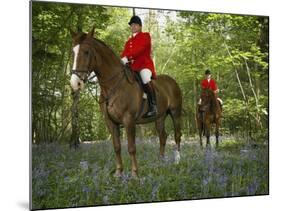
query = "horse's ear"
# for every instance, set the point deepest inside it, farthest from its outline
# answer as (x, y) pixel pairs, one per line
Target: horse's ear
(73, 34)
(92, 32)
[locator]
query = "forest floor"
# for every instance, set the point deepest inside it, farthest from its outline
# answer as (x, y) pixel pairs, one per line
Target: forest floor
(64, 177)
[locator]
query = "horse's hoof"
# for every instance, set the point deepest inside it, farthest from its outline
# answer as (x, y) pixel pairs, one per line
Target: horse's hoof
(162, 158)
(118, 174)
(134, 174)
(74, 146)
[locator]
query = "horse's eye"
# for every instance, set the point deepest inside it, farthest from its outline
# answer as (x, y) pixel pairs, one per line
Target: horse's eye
(86, 53)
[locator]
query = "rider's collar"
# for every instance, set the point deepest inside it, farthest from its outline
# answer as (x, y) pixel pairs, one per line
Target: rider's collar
(134, 34)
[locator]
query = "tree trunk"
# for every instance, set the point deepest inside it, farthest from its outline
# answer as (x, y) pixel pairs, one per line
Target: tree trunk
(74, 139)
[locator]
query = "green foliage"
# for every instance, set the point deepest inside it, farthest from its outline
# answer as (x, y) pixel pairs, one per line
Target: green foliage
(225, 44)
(51, 61)
(234, 47)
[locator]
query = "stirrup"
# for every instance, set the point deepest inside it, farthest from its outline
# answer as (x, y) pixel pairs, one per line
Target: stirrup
(151, 112)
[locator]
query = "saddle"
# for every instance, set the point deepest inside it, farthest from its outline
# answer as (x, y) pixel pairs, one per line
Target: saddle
(138, 79)
(136, 76)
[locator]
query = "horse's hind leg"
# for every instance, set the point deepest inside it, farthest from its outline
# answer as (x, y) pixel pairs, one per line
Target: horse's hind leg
(176, 117)
(160, 127)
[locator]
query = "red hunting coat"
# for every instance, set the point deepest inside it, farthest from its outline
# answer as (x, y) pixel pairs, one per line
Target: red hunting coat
(209, 85)
(138, 49)
(205, 84)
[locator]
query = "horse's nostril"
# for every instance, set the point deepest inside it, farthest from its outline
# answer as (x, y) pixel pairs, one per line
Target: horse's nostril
(79, 84)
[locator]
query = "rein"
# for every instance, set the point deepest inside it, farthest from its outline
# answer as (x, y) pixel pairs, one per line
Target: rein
(124, 73)
(103, 83)
(112, 91)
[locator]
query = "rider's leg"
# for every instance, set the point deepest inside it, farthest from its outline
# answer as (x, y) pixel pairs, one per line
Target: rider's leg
(149, 90)
(220, 100)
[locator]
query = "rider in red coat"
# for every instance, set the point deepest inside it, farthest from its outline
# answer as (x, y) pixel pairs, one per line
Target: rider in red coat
(137, 53)
(209, 83)
(137, 50)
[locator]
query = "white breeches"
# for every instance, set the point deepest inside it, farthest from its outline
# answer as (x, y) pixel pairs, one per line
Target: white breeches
(145, 75)
(220, 100)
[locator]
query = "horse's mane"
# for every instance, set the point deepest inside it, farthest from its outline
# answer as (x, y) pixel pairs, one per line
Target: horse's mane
(106, 46)
(128, 73)
(82, 37)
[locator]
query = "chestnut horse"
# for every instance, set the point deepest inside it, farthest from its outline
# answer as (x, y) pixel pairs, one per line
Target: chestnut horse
(121, 96)
(208, 113)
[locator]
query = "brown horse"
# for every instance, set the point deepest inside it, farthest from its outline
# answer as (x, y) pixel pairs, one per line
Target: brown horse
(208, 113)
(121, 97)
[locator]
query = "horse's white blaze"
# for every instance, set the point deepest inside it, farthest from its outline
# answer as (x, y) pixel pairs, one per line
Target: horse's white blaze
(76, 51)
(75, 82)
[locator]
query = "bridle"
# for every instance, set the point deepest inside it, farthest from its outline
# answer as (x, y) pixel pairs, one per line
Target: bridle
(81, 71)
(102, 83)
(88, 75)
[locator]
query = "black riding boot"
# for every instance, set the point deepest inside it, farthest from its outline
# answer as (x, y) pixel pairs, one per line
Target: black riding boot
(152, 108)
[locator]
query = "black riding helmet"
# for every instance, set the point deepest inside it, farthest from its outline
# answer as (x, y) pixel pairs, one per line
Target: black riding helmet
(208, 72)
(135, 19)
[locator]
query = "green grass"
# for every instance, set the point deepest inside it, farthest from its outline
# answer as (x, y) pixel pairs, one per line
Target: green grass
(62, 177)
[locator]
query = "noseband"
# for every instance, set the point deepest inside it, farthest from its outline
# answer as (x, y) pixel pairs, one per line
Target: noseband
(88, 75)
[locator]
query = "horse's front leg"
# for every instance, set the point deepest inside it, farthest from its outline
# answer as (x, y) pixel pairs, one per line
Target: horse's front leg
(131, 135)
(201, 127)
(207, 133)
(200, 131)
(117, 149)
(115, 133)
(217, 134)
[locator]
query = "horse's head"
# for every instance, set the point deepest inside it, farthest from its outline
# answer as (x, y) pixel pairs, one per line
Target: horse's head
(85, 59)
(207, 99)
